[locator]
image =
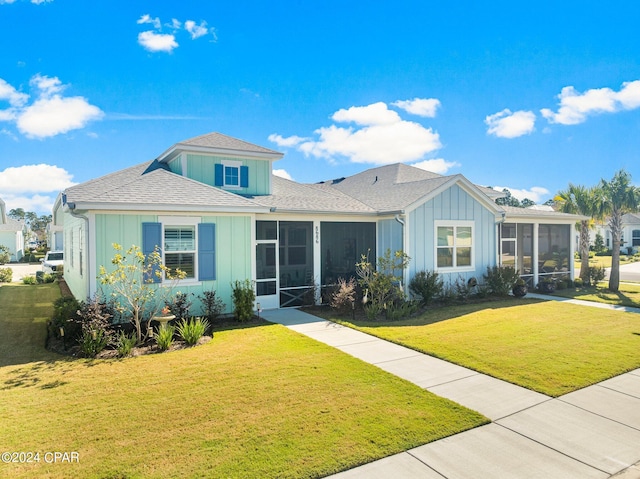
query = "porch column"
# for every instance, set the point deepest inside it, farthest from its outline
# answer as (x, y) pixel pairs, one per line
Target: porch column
(572, 250)
(317, 262)
(534, 259)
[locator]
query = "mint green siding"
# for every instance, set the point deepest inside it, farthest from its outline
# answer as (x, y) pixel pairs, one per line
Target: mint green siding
(76, 273)
(454, 204)
(233, 249)
(175, 165)
(201, 168)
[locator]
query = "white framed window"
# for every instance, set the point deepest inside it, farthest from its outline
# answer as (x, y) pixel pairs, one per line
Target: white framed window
(180, 245)
(231, 173)
(454, 245)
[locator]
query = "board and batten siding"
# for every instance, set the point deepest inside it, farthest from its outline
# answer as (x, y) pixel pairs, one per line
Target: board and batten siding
(202, 168)
(389, 236)
(454, 204)
(232, 246)
(75, 257)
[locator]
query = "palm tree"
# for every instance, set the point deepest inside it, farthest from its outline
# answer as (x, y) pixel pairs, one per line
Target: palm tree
(579, 200)
(616, 198)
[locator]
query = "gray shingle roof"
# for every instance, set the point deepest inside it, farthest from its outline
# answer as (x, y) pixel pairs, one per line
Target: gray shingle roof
(513, 211)
(390, 188)
(218, 140)
(11, 225)
(152, 186)
(291, 196)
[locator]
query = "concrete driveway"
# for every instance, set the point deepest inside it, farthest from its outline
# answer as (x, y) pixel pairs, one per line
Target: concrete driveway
(20, 270)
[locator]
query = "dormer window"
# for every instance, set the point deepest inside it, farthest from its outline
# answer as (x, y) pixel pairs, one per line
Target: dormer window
(231, 174)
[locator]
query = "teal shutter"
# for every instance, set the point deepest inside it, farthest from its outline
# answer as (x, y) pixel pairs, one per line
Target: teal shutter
(244, 177)
(206, 251)
(152, 237)
(219, 175)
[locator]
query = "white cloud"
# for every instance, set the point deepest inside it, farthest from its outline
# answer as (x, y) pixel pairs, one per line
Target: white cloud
(381, 138)
(157, 42)
(196, 30)
(175, 24)
(48, 86)
(535, 193)
(39, 204)
(10, 94)
(53, 116)
(286, 142)
(39, 2)
(51, 113)
(507, 124)
(146, 18)
(575, 107)
(425, 107)
(437, 165)
(6, 2)
(40, 178)
(374, 114)
(629, 95)
(282, 174)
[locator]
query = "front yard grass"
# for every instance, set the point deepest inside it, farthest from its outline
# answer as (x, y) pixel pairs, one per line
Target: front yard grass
(256, 401)
(550, 347)
(628, 294)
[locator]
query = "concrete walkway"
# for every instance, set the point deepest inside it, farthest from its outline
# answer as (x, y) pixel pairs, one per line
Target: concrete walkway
(590, 433)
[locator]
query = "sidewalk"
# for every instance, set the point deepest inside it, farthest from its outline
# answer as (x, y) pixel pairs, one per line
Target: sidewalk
(590, 433)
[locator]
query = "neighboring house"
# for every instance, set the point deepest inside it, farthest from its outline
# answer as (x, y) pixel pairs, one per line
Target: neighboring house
(630, 237)
(215, 209)
(55, 229)
(11, 234)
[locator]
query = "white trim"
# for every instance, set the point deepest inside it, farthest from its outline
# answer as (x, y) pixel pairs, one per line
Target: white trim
(455, 224)
(230, 164)
(177, 221)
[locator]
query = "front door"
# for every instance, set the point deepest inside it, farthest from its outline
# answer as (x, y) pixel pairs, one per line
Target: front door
(267, 264)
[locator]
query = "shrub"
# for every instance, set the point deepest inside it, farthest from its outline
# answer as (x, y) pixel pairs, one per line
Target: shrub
(192, 330)
(212, 305)
(382, 285)
(29, 280)
(5, 255)
(482, 290)
(578, 283)
(596, 274)
(501, 279)
(125, 344)
(343, 299)
(395, 312)
(562, 284)
(6, 275)
(372, 311)
(427, 285)
(180, 305)
(164, 337)
(462, 289)
(243, 299)
(65, 315)
(448, 294)
(94, 317)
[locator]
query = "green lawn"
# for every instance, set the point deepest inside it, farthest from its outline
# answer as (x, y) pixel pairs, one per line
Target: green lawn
(256, 401)
(550, 347)
(628, 294)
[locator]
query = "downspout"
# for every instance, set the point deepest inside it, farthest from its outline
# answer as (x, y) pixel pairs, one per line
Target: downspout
(87, 262)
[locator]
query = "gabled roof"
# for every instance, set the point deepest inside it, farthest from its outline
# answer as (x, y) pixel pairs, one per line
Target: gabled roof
(151, 187)
(12, 225)
(631, 218)
(219, 144)
(398, 187)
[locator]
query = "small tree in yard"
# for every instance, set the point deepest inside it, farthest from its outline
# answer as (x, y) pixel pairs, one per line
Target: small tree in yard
(131, 283)
(5, 255)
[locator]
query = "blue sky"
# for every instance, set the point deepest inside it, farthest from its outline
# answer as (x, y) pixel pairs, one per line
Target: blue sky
(528, 97)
